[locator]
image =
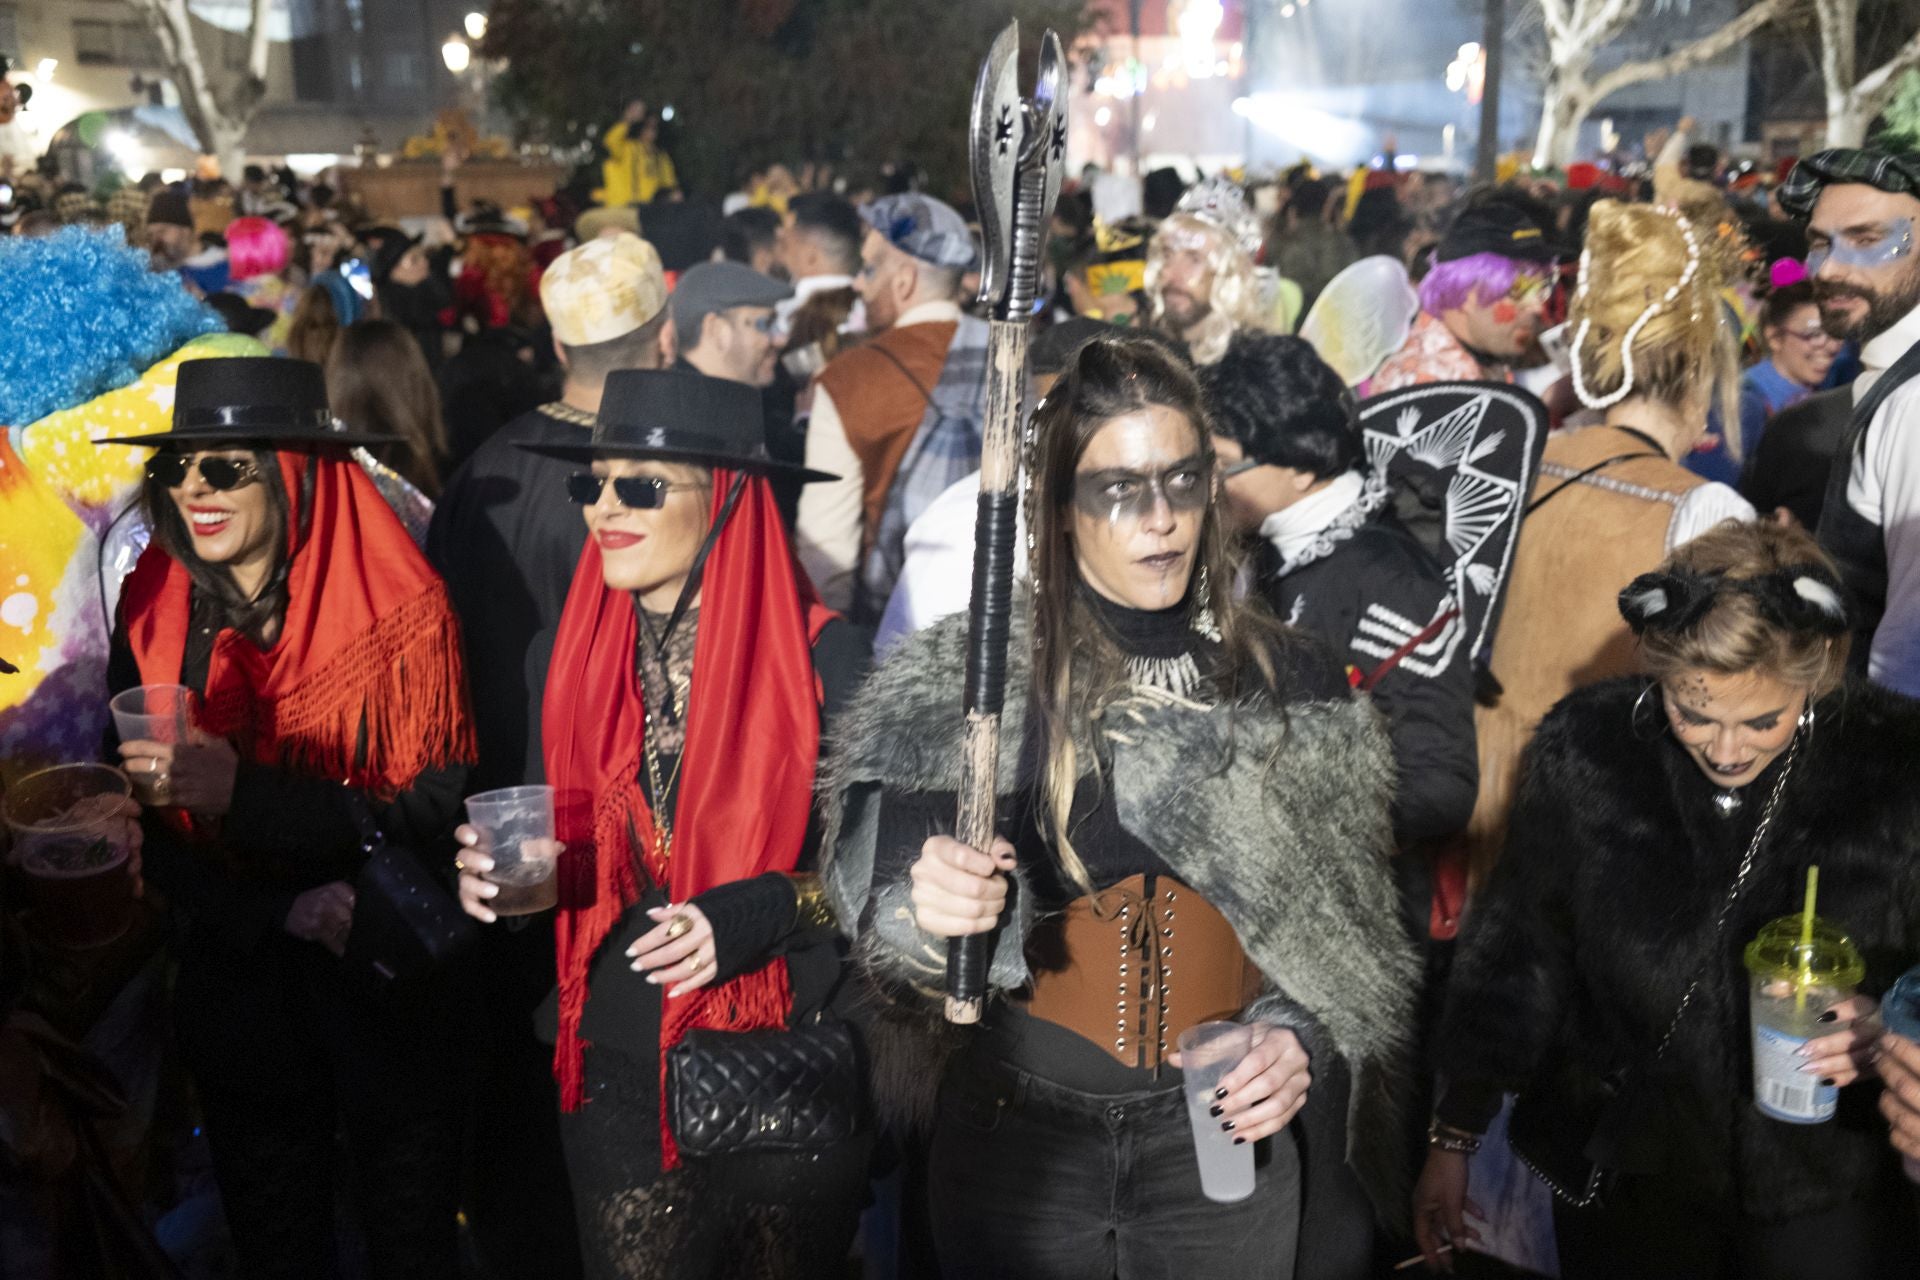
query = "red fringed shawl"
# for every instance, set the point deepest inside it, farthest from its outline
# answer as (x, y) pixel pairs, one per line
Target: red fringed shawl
(746, 782)
(369, 642)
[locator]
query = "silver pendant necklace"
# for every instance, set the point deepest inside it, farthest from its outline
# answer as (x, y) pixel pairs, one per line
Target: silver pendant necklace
(1728, 802)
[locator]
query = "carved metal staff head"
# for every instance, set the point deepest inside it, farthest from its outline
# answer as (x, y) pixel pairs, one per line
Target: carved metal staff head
(1019, 150)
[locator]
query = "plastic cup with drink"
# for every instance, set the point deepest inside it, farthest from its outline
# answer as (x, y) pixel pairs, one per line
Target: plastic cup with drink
(70, 839)
(1798, 966)
(516, 831)
(153, 713)
(1208, 1051)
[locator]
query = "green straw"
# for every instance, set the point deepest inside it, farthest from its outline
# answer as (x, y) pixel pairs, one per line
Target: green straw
(1806, 941)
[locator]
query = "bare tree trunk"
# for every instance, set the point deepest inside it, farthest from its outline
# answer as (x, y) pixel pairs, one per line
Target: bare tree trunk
(219, 120)
(1562, 112)
(1854, 100)
(1574, 36)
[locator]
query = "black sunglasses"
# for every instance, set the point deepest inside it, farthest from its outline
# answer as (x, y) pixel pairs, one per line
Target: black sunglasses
(640, 493)
(221, 474)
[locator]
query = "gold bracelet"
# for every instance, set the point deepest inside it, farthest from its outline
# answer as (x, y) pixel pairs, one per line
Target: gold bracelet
(811, 910)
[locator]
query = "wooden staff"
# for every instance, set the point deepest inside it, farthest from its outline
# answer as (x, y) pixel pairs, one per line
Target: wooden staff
(1018, 153)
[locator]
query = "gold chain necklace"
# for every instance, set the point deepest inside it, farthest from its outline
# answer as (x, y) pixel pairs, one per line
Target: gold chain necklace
(662, 796)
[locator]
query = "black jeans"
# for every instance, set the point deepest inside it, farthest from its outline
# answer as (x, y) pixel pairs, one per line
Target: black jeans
(1030, 1180)
(1652, 1229)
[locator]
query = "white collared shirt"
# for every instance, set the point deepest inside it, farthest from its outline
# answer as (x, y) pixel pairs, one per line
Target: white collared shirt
(1885, 488)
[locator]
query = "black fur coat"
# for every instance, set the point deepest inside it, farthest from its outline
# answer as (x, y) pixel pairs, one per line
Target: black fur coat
(1576, 956)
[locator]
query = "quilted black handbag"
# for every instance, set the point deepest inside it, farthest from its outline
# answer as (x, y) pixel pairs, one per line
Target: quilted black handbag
(779, 1090)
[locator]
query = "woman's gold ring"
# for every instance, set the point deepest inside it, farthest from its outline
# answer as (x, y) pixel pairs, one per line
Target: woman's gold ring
(679, 927)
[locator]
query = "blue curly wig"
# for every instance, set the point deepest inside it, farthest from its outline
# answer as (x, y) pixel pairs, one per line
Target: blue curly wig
(83, 315)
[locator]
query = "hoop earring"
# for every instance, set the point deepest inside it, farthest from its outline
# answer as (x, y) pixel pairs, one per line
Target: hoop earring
(1636, 716)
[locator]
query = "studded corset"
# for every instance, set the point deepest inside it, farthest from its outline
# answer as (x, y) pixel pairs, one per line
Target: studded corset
(1104, 968)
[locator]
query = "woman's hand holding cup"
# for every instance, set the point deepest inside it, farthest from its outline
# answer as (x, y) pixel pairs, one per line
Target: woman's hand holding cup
(1262, 1095)
(959, 890)
(1843, 1054)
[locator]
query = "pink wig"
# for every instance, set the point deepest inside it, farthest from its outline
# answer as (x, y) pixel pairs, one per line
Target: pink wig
(1455, 284)
(255, 247)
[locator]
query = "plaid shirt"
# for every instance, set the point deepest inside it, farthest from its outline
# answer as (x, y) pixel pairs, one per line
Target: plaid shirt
(1895, 172)
(945, 448)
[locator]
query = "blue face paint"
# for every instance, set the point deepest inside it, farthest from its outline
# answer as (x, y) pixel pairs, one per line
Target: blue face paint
(1865, 248)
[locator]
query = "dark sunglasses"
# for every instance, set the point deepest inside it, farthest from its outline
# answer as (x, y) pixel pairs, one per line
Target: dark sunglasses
(640, 493)
(221, 474)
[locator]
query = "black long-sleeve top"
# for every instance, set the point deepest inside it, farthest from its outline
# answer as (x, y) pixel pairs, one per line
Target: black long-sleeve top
(1366, 597)
(285, 833)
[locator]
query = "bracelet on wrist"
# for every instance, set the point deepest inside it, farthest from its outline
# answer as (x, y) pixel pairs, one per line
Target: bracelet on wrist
(811, 910)
(1445, 1137)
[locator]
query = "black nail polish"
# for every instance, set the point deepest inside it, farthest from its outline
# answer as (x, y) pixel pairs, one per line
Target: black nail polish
(1829, 1016)
(1214, 1112)
(1239, 1142)
(1226, 1126)
(1827, 1082)
(1219, 1093)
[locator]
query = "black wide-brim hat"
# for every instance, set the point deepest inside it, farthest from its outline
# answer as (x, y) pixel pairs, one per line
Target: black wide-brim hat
(678, 417)
(270, 400)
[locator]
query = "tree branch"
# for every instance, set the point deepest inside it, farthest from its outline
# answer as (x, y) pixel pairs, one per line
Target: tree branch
(1836, 20)
(1876, 88)
(1706, 48)
(257, 42)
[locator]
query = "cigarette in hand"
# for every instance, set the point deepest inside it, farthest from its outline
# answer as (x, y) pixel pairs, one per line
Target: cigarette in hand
(1419, 1258)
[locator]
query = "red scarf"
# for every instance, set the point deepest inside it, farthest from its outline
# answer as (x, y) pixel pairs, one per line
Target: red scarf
(369, 647)
(746, 777)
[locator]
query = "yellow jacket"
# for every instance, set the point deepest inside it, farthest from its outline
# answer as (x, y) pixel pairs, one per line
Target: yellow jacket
(634, 172)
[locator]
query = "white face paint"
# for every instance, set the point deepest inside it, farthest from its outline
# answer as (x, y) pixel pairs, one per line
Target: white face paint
(1140, 497)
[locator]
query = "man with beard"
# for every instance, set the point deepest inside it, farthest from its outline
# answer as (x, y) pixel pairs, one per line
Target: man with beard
(1480, 305)
(723, 321)
(1201, 281)
(1861, 209)
(899, 415)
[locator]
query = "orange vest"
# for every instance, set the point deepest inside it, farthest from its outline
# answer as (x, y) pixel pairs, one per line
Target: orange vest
(881, 389)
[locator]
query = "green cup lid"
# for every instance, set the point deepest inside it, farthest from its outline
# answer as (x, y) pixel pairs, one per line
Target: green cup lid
(1830, 960)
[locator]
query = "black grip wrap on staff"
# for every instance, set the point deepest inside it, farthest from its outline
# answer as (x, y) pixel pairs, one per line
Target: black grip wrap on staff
(989, 627)
(968, 960)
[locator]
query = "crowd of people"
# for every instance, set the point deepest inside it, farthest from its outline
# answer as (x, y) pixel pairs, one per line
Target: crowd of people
(1452, 621)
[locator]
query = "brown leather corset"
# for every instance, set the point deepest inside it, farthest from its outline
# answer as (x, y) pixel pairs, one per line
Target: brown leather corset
(1104, 968)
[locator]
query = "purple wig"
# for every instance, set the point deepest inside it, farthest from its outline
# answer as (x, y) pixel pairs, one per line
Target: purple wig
(1450, 285)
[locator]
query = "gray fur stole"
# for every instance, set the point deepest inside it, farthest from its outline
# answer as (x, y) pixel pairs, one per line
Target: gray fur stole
(1278, 818)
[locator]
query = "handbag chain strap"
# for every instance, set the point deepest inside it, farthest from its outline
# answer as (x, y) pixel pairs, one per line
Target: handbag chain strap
(1739, 882)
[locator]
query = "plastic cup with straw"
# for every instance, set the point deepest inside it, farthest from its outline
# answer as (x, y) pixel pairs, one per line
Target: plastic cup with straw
(1799, 966)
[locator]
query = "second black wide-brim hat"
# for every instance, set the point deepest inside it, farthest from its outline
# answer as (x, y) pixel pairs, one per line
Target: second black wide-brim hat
(270, 400)
(678, 417)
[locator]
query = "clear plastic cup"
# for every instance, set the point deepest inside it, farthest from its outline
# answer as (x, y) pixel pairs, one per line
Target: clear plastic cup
(1791, 985)
(1900, 1011)
(153, 713)
(516, 831)
(1208, 1050)
(70, 839)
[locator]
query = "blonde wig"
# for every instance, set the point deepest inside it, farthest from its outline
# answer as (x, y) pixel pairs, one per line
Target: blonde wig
(1647, 315)
(1236, 297)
